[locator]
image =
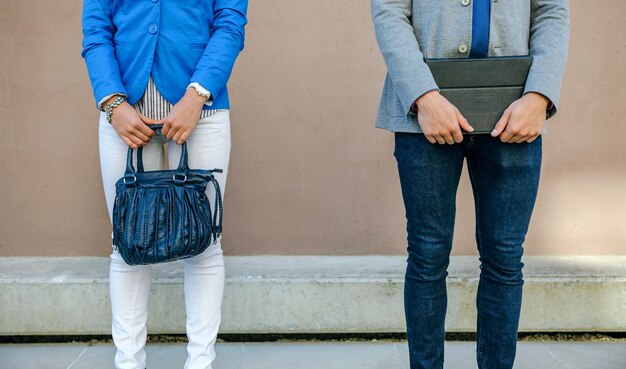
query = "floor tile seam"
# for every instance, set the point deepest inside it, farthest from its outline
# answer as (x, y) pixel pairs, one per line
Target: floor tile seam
(398, 355)
(240, 358)
(78, 357)
(558, 359)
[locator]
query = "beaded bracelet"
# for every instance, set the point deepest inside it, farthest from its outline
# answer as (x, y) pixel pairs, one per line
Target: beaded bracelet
(117, 102)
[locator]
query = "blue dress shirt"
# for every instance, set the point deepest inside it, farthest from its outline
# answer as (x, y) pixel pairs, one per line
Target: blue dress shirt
(480, 28)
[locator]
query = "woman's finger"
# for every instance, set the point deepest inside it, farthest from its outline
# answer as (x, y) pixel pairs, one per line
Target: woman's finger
(166, 128)
(136, 140)
(183, 137)
(140, 135)
(177, 135)
(128, 142)
(147, 120)
(146, 130)
(172, 132)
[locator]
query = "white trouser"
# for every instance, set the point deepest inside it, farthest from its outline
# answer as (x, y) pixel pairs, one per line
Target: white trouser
(208, 147)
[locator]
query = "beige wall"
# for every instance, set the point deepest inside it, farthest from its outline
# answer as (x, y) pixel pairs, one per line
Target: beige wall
(309, 172)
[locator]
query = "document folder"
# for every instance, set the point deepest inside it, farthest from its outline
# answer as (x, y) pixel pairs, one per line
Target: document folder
(482, 88)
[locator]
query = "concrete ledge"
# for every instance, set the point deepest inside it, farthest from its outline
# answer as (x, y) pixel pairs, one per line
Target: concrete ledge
(308, 294)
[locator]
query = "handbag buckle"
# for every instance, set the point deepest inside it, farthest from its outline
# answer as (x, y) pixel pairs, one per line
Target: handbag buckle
(127, 180)
(176, 177)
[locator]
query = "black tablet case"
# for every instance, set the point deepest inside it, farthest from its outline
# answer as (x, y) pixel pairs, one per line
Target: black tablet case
(483, 88)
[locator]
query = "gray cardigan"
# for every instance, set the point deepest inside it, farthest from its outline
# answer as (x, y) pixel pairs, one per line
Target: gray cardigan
(409, 30)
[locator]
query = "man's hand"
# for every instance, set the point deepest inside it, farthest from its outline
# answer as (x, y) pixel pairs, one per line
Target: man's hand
(183, 117)
(131, 128)
(523, 120)
(441, 121)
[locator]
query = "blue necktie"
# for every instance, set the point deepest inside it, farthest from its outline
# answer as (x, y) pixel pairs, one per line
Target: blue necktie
(480, 28)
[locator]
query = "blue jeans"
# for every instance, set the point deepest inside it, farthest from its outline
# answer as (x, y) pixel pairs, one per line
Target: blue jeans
(504, 178)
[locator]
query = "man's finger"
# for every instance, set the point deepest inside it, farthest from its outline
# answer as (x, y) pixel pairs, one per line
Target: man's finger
(506, 136)
(457, 135)
(440, 140)
(431, 139)
(449, 139)
(463, 123)
(533, 138)
(502, 123)
(522, 139)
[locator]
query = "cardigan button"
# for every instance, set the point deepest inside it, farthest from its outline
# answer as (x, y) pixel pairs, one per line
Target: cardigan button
(464, 2)
(463, 49)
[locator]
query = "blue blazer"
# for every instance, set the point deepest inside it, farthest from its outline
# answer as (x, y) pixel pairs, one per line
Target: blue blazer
(178, 41)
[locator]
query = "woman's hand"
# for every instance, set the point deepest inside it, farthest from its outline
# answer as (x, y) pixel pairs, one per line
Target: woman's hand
(130, 126)
(183, 117)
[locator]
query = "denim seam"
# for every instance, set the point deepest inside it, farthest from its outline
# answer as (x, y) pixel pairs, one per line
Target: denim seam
(479, 341)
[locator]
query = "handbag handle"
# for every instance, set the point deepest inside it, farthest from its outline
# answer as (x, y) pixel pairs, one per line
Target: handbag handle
(179, 176)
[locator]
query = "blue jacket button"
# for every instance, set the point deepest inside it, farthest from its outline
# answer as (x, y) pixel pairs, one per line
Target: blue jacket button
(155, 1)
(152, 28)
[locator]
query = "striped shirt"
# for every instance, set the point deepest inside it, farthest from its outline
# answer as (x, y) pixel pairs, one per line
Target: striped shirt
(153, 105)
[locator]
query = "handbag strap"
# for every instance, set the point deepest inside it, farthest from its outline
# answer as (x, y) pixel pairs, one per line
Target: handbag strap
(218, 211)
(130, 172)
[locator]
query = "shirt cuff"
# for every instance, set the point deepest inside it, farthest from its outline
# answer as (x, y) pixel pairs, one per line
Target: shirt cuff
(204, 91)
(108, 97)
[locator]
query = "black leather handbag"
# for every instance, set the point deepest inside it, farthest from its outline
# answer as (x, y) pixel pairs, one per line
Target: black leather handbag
(164, 215)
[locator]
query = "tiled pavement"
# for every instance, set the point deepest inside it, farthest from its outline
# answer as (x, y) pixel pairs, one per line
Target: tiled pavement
(314, 355)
